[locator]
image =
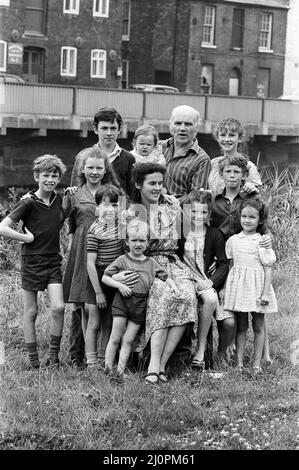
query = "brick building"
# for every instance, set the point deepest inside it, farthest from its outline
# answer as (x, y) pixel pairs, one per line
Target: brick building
(62, 41)
(230, 47)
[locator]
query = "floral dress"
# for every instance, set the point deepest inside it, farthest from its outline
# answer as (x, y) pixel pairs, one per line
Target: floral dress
(245, 281)
(164, 308)
(80, 208)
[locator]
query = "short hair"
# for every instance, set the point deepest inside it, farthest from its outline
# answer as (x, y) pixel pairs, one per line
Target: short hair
(146, 130)
(138, 226)
(108, 191)
(184, 108)
(203, 196)
(229, 123)
(238, 160)
(96, 152)
(263, 211)
(48, 162)
(109, 115)
(140, 172)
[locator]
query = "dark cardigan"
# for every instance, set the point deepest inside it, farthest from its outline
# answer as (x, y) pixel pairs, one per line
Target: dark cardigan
(214, 250)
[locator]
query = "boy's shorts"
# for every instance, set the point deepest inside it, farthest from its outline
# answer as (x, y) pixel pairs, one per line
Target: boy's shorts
(132, 307)
(37, 271)
(106, 318)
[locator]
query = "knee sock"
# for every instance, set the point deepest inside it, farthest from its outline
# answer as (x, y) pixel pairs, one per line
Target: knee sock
(54, 347)
(33, 354)
(91, 358)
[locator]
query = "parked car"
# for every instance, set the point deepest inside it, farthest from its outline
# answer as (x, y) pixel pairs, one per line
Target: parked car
(10, 78)
(155, 88)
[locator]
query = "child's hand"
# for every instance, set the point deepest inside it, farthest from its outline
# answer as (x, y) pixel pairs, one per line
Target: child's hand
(125, 290)
(264, 300)
(221, 296)
(128, 278)
(250, 188)
(101, 300)
(29, 237)
(26, 196)
(265, 241)
(168, 198)
(212, 268)
(173, 287)
(71, 189)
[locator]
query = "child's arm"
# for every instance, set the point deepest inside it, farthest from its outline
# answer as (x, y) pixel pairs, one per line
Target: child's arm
(267, 285)
(123, 289)
(93, 276)
(8, 232)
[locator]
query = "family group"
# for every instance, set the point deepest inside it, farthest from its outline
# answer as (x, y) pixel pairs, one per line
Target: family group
(162, 240)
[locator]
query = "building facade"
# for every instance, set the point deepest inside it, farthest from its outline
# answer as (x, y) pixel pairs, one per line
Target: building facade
(62, 41)
(229, 47)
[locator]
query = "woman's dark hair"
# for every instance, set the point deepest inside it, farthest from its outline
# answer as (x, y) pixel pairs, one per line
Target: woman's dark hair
(263, 210)
(110, 192)
(96, 152)
(138, 176)
(109, 115)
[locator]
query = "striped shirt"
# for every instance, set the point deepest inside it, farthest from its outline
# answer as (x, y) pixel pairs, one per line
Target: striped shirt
(105, 241)
(185, 172)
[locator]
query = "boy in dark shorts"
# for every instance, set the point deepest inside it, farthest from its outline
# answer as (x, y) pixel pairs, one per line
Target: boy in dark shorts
(129, 304)
(42, 218)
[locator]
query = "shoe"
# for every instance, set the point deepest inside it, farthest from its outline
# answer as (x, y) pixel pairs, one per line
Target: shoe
(32, 367)
(78, 364)
(163, 377)
(197, 365)
(52, 362)
(256, 371)
(240, 368)
(268, 363)
(154, 375)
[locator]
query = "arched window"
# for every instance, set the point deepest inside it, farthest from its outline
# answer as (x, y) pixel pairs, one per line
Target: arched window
(235, 82)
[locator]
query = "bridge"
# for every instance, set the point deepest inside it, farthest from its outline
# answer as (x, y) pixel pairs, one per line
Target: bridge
(44, 107)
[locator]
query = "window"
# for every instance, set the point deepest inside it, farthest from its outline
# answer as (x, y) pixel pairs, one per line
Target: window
(238, 28)
(209, 27)
(3, 53)
(263, 82)
(68, 67)
(33, 64)
(71, 6)
(35, 17)
(98, 63)
(101, 8)
(266, 33)
(234, 87)
(4, 3)
(126, 20)
(206, 79)
(125, 73)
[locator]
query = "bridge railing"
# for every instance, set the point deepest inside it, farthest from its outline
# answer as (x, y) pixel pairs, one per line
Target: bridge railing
(67, 101)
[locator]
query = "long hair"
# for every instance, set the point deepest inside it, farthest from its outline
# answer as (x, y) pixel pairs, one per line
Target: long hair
(263, 211)
(96, 152)
(138, 176)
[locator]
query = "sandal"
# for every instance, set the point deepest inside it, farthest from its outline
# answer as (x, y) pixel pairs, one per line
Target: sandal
(256, 370)
(197, 365)
(163, 377)
(152, 374)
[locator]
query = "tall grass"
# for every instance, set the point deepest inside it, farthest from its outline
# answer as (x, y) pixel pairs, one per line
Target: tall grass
(67, 409)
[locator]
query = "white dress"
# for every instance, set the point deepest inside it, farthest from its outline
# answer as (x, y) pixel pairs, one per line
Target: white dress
(245, 281)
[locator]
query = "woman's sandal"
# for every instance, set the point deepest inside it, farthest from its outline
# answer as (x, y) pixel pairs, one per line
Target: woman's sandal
(197, 365)
(163, 377)
(152, 374)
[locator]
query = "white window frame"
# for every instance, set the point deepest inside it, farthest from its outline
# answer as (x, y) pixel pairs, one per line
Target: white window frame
(265, 37)
(101, 8)
(126, 37)
(4, 3)
(74, 7)
(3, 66)
(100, 56)
(209, 27)
(68, 70)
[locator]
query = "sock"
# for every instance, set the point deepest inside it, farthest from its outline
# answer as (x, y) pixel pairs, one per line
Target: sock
(33, 354)
(91, 358)
(54, 347)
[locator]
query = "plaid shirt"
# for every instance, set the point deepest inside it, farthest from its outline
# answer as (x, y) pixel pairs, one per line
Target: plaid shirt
(185, 172)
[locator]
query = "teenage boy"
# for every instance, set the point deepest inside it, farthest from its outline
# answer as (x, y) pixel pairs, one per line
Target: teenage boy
(42, 217)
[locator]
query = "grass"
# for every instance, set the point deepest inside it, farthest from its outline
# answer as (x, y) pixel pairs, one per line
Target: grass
(67, 409)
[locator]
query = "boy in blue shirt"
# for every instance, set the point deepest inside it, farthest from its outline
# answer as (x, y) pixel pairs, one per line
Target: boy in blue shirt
(42, 218)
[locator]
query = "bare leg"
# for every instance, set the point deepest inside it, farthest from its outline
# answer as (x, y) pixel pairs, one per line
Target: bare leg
(84, 319)
(204, 322)
(258, 328)
(30, 314)
(226, 331)
(242, 327)
(158, 339)
(57, 308)
(93, 326)
(105, 332)
(118, 327)
(172, 339)
(266, 350)
(127, 344)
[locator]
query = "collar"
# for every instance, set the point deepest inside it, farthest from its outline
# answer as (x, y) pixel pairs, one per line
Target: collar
(40, 201)
(115, 152)
(253, 237)
(194, 148)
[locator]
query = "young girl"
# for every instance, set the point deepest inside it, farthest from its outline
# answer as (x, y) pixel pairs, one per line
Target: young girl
(248, 287)
(145, 146)
(104, 245)
(129, 305)
(80, 208)
(199, 246)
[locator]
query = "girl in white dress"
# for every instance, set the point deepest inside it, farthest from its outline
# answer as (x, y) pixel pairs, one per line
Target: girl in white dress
(248, 287)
